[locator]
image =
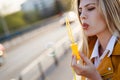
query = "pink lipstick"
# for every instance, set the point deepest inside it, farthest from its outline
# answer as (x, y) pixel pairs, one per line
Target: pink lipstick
(85, 26)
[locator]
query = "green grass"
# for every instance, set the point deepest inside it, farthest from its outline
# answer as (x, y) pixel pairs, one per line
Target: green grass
(15, 21)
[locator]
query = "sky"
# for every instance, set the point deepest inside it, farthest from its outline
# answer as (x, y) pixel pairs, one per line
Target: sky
(9, 6)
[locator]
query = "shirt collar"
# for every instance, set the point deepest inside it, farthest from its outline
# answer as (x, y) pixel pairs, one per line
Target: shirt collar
(109, 48)
(95, 50)
(111, 44)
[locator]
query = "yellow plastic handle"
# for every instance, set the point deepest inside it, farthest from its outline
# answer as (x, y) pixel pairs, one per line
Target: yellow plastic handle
(75, 51)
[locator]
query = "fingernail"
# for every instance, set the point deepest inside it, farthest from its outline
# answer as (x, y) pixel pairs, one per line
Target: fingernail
(72, 56)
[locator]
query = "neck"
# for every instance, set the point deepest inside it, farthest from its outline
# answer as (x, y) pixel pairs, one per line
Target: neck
(103, 39)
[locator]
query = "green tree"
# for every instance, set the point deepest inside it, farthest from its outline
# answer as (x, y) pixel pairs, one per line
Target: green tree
(66, 4)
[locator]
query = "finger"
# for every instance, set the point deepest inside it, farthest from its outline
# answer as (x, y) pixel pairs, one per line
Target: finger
(72, 56)
(73, 62)
(84, 58)
(78, 68)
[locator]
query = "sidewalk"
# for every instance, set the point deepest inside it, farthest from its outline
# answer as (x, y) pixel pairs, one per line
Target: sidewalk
(63, 70)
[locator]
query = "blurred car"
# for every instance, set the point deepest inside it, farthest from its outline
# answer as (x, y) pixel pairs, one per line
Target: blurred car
(2, 53)
(70, 15)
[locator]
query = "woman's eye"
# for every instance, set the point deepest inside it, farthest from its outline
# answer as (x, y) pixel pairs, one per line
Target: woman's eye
(90, 9)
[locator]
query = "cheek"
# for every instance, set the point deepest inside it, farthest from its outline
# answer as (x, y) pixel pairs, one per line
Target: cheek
(96, 18)
(97, 24)
(95, 30)
(100, 23)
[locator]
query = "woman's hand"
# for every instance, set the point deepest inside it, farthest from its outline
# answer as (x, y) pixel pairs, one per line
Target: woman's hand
(88, 70)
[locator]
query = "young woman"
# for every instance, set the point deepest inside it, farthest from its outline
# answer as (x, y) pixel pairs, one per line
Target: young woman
(100, 20)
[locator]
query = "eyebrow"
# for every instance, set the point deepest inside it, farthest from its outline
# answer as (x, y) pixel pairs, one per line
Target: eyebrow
(88, 5)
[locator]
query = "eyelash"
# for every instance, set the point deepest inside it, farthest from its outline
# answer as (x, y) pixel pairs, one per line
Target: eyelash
(89, 9)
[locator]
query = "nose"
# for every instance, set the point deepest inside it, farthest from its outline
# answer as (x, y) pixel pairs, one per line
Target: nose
(83, 16)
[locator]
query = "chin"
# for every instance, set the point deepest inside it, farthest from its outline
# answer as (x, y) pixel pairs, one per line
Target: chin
(89, 34)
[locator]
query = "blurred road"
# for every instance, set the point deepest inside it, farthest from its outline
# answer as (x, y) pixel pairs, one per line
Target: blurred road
(63, 71)
(20, 56)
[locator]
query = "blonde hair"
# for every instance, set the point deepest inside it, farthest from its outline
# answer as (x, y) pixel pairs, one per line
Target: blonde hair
(111, 12)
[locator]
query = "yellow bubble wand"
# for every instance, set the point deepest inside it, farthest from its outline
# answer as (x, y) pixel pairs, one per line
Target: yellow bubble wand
(73, 45)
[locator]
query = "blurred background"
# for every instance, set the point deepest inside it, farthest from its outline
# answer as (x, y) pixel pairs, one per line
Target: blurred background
(34, 39)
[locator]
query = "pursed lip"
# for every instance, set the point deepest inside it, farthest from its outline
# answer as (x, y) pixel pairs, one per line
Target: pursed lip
(85, 26)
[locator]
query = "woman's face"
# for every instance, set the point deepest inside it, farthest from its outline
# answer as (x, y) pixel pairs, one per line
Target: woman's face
(92, 21)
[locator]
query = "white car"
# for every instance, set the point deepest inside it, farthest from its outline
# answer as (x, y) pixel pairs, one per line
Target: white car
(70, 15)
